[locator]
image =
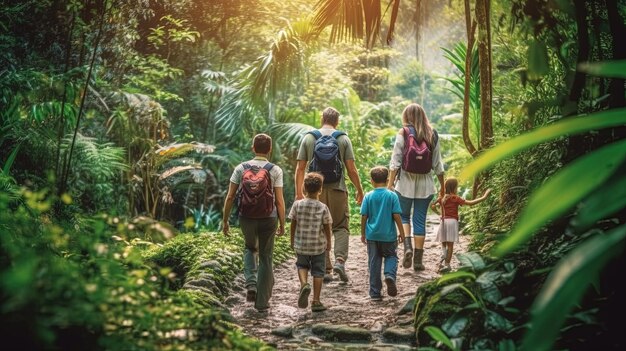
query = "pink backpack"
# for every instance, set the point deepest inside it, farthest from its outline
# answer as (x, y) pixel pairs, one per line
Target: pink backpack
(417, 156)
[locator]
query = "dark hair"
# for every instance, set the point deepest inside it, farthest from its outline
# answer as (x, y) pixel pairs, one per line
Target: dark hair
(313, 182)
(450, 185)
(330, 116)
(379, 174)
(262, 143)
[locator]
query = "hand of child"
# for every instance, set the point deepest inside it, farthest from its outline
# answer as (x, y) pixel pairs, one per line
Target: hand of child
(363, 239)
(401, 238)
(281, 230)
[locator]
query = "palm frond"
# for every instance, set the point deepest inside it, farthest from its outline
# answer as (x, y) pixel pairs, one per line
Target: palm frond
(289, 134)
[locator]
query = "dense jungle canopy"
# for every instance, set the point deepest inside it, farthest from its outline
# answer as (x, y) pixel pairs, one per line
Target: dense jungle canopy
(121, 122)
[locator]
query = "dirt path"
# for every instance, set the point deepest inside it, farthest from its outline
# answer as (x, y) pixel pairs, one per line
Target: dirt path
(348, 303)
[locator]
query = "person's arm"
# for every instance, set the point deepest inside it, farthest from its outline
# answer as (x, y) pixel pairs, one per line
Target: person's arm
(363, 224)
(292, 231)
(327, 231)
(480, 199)
(353, 174)
(280, 209)
(300, 166)
(392, 179)
(228, 206)
(441, 183)
(398, 220)
(396, 159)
(433, 206)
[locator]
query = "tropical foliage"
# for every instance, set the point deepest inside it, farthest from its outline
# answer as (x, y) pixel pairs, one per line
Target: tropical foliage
(121, 122)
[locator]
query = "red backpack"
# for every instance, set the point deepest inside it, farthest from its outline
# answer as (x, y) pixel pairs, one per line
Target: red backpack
(417, 157)
(256, 194)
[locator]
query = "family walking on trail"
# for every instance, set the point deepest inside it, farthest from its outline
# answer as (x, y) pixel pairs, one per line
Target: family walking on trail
(393, 212)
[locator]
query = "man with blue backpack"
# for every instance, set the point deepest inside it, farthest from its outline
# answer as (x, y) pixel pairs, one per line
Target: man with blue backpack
(329, 152)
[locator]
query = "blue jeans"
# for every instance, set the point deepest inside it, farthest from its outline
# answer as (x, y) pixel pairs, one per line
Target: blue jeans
(420, 208)
(376, 252)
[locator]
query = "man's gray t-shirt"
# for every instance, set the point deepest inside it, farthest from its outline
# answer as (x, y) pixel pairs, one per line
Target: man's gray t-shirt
(305, 153)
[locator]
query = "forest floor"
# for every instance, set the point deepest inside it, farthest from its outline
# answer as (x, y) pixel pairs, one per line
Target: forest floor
(350, 311)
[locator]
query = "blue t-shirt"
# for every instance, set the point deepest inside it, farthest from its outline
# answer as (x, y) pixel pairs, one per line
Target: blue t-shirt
(379, 205)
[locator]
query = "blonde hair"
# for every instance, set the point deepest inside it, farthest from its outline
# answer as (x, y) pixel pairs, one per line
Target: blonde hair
(414, 115)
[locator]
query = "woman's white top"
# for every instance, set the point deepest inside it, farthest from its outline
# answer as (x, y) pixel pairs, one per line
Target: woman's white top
(413, 185)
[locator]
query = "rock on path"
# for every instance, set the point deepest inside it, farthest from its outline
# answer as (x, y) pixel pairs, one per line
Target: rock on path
(348, 303)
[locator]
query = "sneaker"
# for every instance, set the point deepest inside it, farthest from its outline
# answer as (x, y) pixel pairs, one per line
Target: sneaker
(317, 306)
(445, 269)
(392, 289)
(407, 261)
(263, 310)
(376, 298)
(251, 296)
(328, 277)
(340, 269)
(303, 298)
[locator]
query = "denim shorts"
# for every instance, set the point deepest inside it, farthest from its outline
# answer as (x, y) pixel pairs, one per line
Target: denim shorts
(316, 264)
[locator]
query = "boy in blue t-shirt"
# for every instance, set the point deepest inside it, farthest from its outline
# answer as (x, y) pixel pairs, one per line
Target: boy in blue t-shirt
(379, 210)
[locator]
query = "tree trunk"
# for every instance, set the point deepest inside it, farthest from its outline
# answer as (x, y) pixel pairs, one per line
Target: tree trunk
(484, 59)
(583, 50)
(471, 29)
(616, 24)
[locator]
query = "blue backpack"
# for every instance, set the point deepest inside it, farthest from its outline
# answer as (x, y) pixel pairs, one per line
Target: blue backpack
(326, 157)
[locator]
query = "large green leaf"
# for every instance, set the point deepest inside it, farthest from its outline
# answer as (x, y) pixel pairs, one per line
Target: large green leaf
(568, 126)
(438, 335)
(454, 325)
(9, 162)
(611, 69)
(607, 200)
(562, 191)
(566, 285)
(455, 275)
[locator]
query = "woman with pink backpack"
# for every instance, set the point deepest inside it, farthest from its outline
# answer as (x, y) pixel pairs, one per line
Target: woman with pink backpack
(415, 159)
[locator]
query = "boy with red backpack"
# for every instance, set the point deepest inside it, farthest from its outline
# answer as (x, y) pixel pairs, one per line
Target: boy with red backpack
(257, 185)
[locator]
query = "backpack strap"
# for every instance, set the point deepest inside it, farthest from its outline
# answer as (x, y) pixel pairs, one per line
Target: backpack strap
(316, 133)
(268, 166)
(435, 138)
(336, 134)
(246, 165)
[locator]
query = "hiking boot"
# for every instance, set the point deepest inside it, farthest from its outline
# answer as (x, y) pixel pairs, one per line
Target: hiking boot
(340, 269)
(392, 289)
(317, 306)
(251, 296)
(303, 298)
(408, 257)
(408, 253)
(417, 260)
(328, 277)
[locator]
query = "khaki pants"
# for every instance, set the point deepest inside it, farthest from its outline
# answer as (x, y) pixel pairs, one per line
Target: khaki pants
(259, 247)
(337, 202)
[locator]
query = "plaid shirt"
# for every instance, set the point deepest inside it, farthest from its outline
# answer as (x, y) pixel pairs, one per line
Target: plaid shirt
(311, 216)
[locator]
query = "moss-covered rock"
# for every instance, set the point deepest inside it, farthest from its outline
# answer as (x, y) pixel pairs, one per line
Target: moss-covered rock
(204, 269)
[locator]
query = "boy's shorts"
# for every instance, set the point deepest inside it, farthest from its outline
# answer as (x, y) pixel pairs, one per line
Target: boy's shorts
(316, 264)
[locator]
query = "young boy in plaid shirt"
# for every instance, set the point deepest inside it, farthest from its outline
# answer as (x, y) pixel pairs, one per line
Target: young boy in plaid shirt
(310, 237)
